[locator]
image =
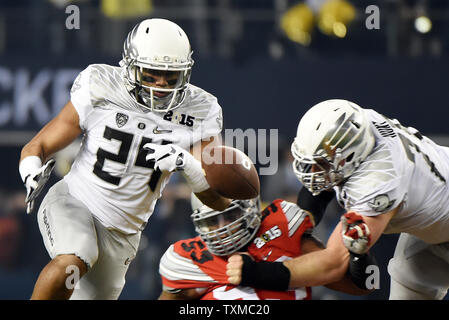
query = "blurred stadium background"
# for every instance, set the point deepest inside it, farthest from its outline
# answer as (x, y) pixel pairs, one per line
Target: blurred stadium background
(267, 61)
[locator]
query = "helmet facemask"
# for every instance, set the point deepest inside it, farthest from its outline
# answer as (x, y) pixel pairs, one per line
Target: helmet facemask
(345, 142)
(147, 95)
(225, 232)
(320, 172)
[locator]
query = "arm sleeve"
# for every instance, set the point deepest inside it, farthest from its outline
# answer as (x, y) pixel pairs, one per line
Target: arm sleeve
(212, 125)
(298, 221)
(179, 272)
(315, 205)
(383, 199)
(379, 184)
(80, 96)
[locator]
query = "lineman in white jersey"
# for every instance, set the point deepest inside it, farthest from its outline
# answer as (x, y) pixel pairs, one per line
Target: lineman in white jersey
(137, 122)
(390, 179)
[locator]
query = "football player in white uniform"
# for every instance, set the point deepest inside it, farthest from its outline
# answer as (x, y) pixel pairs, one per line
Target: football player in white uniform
(390, 179)
(139, 121)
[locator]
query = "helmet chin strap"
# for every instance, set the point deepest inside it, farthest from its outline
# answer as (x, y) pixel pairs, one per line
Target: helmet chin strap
(335, 176)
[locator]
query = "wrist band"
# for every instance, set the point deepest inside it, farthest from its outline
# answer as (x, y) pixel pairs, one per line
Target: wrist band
(29, 165)
(194, 174)
(264, 275)
(357, 268)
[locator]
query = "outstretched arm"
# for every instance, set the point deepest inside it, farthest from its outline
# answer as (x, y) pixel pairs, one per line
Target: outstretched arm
(209, 197)
(320, 267)
(313, 269)
(171, 158)
(331, 264)
(346, 284)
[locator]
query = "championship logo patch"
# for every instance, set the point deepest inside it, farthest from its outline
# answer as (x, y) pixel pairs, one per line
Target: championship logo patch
(121, 119)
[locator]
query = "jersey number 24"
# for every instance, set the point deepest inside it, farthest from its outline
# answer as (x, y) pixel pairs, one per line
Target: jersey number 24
(122, 155)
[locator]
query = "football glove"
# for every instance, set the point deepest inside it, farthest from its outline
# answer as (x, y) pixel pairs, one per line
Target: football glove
(166, 157)
(172, 158)
(355, 232)
(34, 183)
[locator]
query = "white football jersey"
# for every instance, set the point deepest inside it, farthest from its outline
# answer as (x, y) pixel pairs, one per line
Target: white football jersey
(110, 174)
(404, 169)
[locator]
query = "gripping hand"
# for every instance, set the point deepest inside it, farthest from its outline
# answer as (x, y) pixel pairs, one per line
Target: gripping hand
(355, 232)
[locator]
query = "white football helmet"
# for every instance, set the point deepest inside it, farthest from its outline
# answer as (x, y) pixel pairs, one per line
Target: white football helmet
(333, 138)
(157, 44)
(227, 231)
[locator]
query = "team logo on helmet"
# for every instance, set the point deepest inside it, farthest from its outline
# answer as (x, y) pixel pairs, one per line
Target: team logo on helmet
(121, 119)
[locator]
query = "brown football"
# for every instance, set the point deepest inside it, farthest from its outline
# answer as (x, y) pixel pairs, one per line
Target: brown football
(231, 173)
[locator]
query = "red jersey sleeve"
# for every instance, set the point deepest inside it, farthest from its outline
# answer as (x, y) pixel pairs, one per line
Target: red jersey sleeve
(188, 264)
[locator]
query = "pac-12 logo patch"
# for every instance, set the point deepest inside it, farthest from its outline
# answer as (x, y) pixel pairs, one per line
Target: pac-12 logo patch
(121, 119)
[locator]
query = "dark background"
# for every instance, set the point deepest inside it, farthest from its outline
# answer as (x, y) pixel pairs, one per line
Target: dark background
(262, 79)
